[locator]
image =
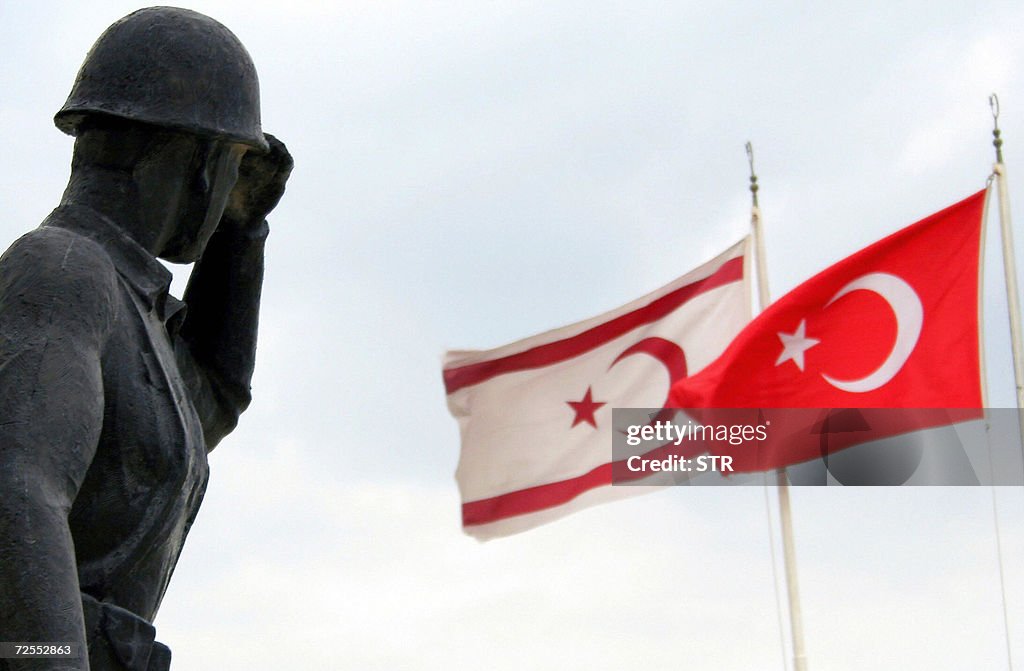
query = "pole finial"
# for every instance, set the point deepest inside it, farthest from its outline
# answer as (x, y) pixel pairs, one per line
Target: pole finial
(753, 176)
(997, 142)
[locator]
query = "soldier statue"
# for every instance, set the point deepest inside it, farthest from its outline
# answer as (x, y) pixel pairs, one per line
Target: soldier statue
(112, 392)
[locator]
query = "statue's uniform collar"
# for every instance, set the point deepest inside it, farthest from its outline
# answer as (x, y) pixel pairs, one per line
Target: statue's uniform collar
(146, 275)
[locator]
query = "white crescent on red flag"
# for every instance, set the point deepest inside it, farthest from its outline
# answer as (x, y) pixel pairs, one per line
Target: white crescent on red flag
(895, 325)
(535, 416)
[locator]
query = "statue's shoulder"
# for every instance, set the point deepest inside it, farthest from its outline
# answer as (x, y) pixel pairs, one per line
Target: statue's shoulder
(51, 265)
(58, 244)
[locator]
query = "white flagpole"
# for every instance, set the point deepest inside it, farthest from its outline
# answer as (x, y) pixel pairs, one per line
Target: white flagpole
(1009, 265)
(785, 514)
(1010, 272)
(755, 225)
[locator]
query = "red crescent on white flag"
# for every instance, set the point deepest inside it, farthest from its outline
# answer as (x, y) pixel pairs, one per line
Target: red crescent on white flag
(664, 351)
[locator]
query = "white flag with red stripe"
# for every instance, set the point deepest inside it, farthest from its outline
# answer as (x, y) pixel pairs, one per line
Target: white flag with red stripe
(535, 416)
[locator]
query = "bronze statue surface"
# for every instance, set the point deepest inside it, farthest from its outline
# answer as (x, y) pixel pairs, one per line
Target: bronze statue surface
(112, 392)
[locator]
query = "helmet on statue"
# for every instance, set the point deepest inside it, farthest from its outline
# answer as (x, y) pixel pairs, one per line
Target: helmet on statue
(172, 68)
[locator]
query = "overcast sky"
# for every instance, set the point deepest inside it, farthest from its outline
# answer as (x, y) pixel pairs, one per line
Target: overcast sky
(470, 173)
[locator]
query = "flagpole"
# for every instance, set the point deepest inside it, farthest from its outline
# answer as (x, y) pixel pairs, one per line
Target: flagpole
(1009, 264)
(1010, 272)
(755, 225)
(785, 513)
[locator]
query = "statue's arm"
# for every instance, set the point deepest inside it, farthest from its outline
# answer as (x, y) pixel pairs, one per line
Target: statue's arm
(223, 298)
(56, 299)
(223, 295)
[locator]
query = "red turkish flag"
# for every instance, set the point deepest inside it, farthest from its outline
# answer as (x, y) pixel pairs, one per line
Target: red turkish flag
(895, 325)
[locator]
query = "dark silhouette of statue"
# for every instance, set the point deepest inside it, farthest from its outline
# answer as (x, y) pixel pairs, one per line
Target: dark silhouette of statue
(112, 392)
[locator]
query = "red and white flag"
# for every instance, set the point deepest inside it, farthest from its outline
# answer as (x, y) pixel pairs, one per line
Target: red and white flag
(895, 325)
(535, 416)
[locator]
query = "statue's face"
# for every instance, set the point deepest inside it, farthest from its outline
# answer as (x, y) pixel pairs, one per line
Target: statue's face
(184, 187)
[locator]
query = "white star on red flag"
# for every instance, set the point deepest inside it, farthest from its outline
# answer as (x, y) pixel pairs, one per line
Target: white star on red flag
(795, 344)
